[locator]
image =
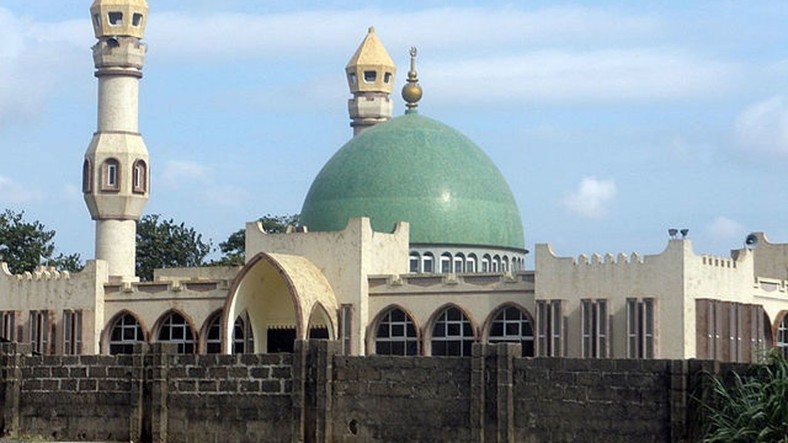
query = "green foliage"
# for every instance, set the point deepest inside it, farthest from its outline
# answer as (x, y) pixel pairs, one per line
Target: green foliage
(70, 263)
(233, 248)
(754, 408)
(25, 245)
(167, 244)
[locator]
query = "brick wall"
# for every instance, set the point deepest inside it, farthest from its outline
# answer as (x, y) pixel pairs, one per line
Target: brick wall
(222, 398)
(401, 398)
(316, 394)
(66, 397)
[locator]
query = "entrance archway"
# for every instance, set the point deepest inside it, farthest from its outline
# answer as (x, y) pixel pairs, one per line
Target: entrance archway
(284, 297)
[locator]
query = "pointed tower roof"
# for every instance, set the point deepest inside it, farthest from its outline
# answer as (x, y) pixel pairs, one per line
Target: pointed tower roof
(371, 52)
(371, 68)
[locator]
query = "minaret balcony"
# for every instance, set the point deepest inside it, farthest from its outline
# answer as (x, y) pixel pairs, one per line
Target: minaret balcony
(119, 52)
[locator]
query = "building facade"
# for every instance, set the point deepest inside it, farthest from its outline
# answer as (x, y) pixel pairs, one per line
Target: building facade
(411, 244)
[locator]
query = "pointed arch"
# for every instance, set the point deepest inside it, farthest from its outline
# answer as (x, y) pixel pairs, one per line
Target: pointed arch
(511, 323)
(122, 332)
(175, 326)
(452, 331)
(211, 334)
(320, 326)
(394, 331)
(781, 332)
(278, 292)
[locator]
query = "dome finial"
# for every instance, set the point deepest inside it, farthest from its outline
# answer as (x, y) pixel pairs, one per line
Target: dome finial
(411, 92)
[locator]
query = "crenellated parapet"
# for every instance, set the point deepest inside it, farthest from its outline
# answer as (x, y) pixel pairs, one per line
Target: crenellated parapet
(40, 273)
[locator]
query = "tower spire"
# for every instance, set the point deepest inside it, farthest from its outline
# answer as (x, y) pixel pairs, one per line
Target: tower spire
(115, 179)
(412, 92)
(370, 76)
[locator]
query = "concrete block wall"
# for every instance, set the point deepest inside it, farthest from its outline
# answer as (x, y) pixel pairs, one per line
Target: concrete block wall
(382, 398)
(316, 394)
(221, 398)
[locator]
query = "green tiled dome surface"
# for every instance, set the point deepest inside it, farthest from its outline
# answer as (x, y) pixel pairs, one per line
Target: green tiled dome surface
(415, 169)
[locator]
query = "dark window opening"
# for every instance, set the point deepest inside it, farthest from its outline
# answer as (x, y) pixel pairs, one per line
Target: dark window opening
(387, 77)
(370, 76)
(115, 18)
(281, 340)
(136, 19)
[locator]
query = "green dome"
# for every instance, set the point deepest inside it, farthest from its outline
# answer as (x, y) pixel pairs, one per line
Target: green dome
(415, 169)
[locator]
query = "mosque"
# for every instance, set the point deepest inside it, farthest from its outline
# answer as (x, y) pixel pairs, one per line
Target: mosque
(411, 243)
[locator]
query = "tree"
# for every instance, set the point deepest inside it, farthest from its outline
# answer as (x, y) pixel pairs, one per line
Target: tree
(233, 248)
(166, 244)
(26, 245)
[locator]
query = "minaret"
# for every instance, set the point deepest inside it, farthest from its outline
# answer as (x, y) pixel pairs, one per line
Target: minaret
(370, 76)
(115, 174)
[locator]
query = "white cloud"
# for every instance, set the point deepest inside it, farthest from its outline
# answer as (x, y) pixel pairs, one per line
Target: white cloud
(308, 33)
(12, 192)
(608, 76)
(763, 127)
(592, 198)
(183, 173)
(34, 59)
(724, 229)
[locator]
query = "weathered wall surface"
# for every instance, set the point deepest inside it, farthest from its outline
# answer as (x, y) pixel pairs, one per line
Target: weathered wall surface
(315, 394)
(401, 398)
(221, 398)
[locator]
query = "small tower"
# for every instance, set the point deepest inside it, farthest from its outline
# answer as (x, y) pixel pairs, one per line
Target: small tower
(115, 173)
(370, 76)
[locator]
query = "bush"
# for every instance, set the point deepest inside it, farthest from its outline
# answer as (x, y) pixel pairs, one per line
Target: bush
(753, 408)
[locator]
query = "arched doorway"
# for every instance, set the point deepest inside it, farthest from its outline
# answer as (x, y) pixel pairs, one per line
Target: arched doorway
(284, 298)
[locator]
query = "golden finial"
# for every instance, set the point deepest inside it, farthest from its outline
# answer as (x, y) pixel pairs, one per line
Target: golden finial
(411, 92)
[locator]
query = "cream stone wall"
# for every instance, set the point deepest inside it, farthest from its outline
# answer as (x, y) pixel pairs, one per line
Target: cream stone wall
(771, 259)
(424, 296)
(616, 278)
(55, 292)
(345, 257)
(197, 299)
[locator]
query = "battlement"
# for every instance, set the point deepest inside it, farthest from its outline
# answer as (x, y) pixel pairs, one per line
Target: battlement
(40, 273)
(720, 262)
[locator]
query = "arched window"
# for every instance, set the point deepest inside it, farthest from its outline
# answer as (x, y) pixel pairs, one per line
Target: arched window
(396, 334)
(459, 263)
(213, 335)
(505, 264)
(110, 175)
(496, 264)
(415, 262)
(87, 176)
(139, 177)
(782, 336)
(446, 263)
(512, 325)
(470, 263)
(126, 331)
(243, 339)
(176, 329)
(427, 263)
(452, 333)
(486, 263)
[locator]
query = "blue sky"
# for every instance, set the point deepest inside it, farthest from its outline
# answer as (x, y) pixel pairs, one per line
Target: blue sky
(612, 121)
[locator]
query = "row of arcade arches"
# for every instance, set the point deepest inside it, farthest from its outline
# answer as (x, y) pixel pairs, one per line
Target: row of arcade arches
(126, 330)
(449, 332)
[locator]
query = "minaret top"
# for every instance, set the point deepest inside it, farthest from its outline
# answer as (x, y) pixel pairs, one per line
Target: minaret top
(371, 69)
(114, 18)
(412, 92)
